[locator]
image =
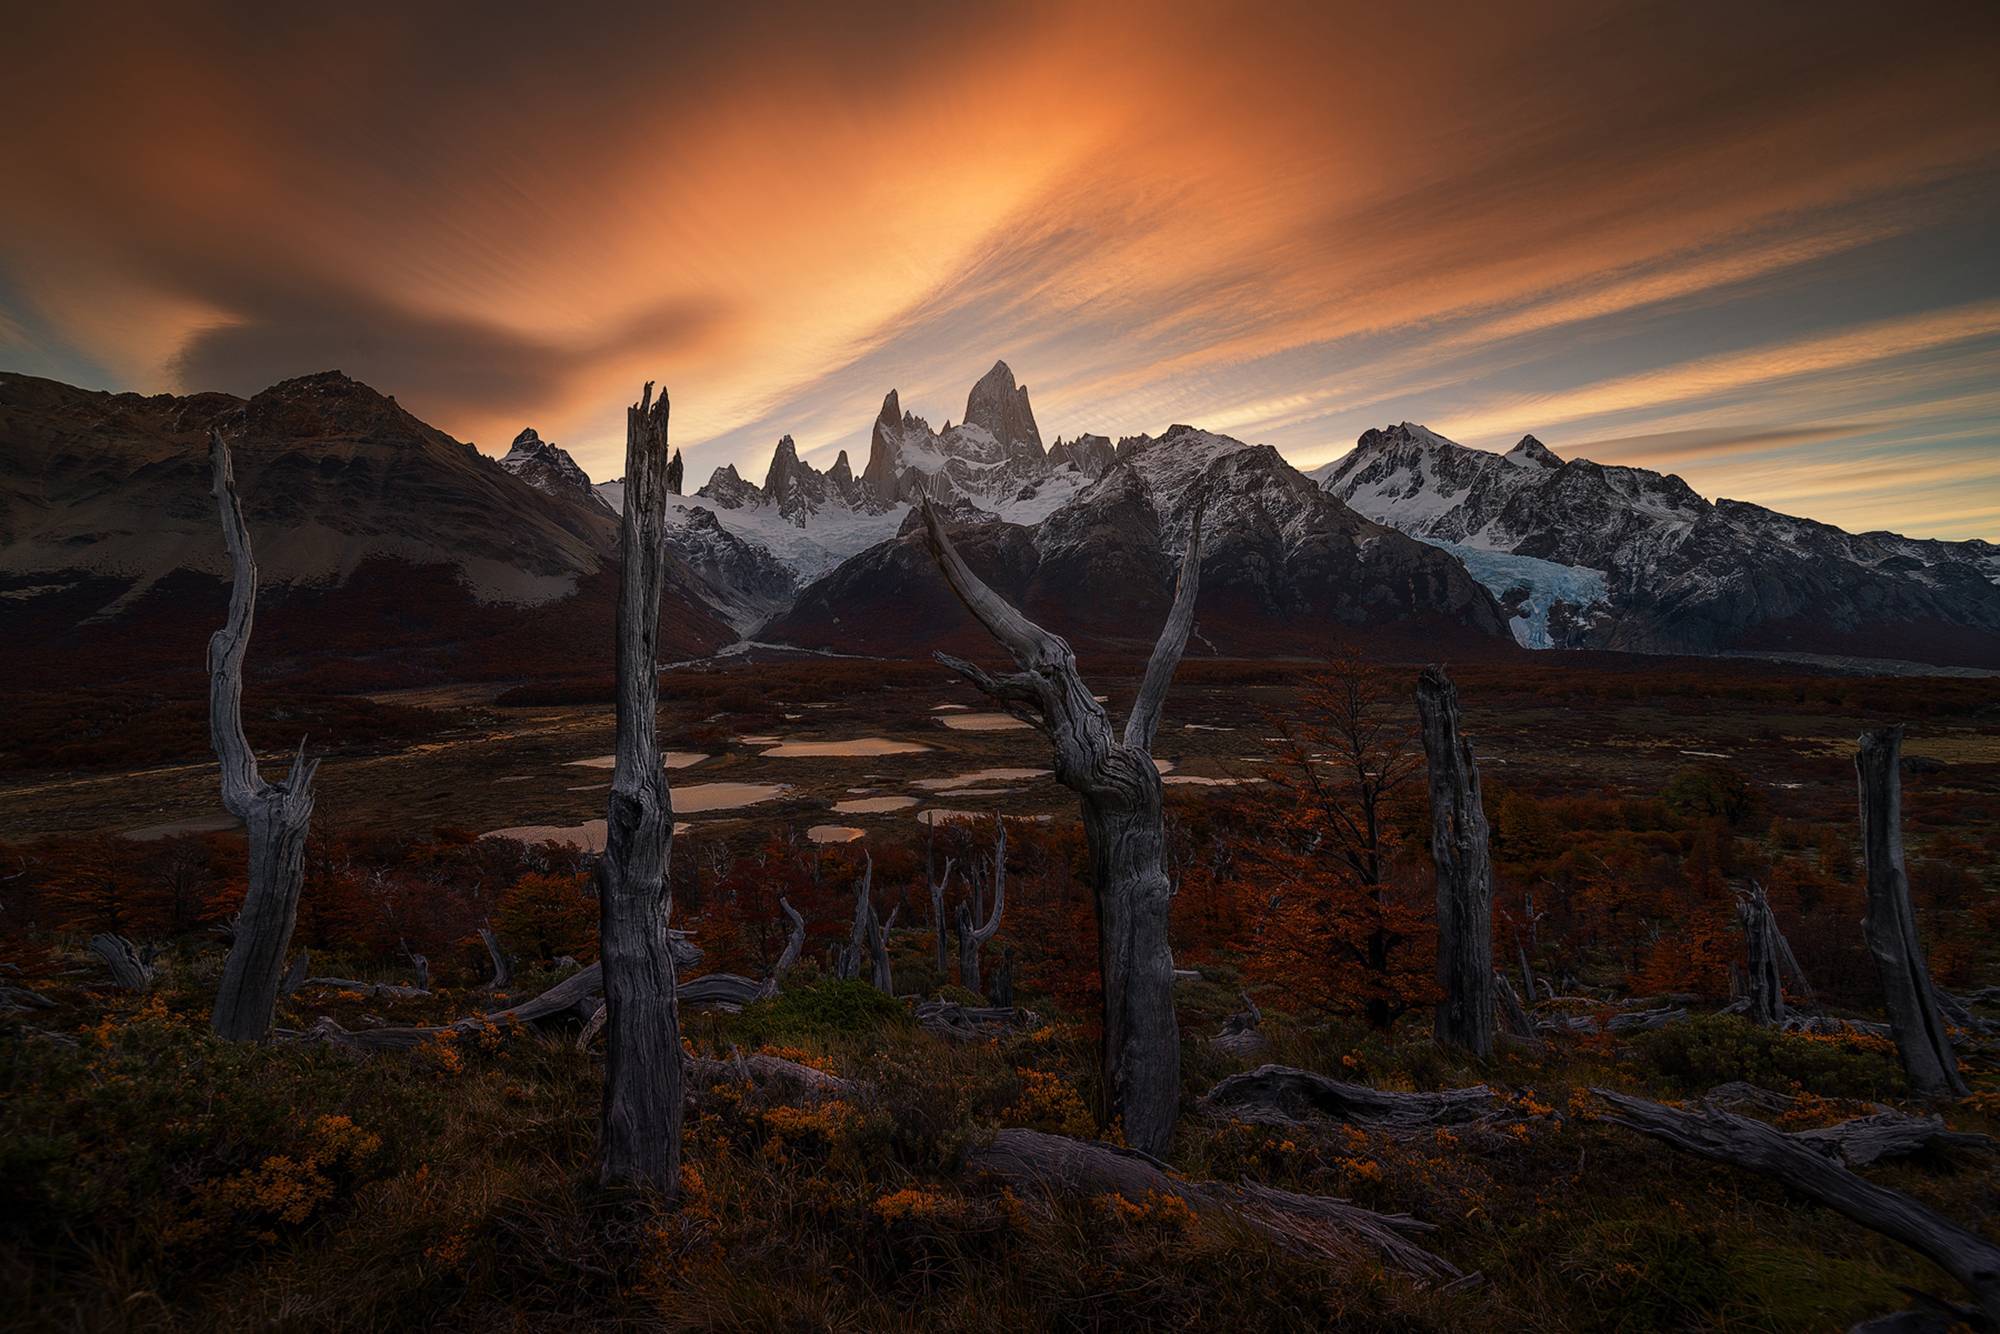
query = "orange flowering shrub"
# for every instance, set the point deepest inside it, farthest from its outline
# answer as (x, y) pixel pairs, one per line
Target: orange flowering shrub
(284, 1191)
(1049, 1102)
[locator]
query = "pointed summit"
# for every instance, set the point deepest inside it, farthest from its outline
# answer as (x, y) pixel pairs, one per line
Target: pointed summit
(1533, 452)
(885, 455)
(1000, 406)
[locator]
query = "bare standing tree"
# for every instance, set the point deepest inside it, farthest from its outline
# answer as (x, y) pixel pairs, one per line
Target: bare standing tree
(937, 884)
(1464, 871)
(640, 1141)
(971, 935)
(1891, 922)
(1346, 764)
(1123, 802)
(275, 816)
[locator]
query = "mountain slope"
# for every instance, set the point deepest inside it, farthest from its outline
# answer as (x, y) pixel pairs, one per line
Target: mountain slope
(383, 531)
(1589, 555)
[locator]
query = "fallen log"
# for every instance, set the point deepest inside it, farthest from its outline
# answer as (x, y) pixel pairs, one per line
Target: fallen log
(1240, 1036)
(972, 1023)
(1285, 1095)
(1741, 1142)
(1313, 1225)
(1887, 1134)
(391, 990)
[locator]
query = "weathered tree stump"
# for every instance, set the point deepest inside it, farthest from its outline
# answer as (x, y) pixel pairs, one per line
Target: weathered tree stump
(640, 1142)
(275, 816)
(128, 969)
(1891, 922)
(503, 967)
(1464, 871)
(1122, 805)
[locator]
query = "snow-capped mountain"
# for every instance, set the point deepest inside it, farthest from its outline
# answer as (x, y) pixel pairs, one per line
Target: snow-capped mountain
(548, 467)
(1283, 564)
(1588, 555)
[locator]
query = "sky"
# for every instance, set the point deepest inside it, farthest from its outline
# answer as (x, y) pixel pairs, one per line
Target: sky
(1753, 244)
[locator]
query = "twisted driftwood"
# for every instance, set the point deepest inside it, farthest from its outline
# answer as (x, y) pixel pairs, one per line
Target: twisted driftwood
(1726, 1138)
(1891, 922)
(1284, 1094)
(391, 990)
(1312, 1225)
(275, 816)
(971, 935)
(1122, 805)
(129, 969)
(1464, 871)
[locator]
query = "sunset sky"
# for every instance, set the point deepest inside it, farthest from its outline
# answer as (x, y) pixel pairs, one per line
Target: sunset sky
(1751, 244)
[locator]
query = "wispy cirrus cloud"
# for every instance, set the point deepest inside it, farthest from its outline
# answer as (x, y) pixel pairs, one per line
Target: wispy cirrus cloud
(1649, 226)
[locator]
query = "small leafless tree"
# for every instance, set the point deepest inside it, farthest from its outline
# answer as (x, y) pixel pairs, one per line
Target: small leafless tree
(275, 816)
(1122, 804)
(937, 884)
(972, 935)
(640, 1140)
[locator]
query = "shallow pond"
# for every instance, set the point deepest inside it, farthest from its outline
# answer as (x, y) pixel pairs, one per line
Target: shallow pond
(984, 722)
(978, 776)
(673, 759)
(833, 833)
(857, 747)
(872, 805)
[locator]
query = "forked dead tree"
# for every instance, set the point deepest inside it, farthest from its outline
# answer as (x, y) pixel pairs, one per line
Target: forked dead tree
(1122, 801)
(869, 938)
(937, 884)
(1464, 871)
(971, 935)
(640, 1142)
(274, 815)
(1891, 921)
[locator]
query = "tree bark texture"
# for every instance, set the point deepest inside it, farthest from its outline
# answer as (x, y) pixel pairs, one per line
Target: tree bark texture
(640, 1139)
(1464, 871)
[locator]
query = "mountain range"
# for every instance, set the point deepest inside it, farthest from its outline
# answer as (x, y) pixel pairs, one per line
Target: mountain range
(1586, 555)
(411, 556)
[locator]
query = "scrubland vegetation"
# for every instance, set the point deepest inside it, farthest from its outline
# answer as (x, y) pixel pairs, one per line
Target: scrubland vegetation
(153, 1176)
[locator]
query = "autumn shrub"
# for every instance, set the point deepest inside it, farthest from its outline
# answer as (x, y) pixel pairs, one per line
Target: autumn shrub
(1698, 1053)
(847, 1008)
(549, 916)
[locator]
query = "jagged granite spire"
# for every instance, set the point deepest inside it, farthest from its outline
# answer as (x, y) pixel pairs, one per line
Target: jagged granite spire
(1001, 407)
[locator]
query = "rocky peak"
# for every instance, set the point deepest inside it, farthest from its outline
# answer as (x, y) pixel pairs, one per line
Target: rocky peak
(787, 472)
(728, 490)
(1533, 451)
(1091, 455)
(547, 467)
(1000, 407)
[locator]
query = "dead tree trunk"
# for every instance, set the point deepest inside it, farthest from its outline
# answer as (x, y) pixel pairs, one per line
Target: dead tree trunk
(937, 885)
(274, 815)
(794, 944)
(971, 935)
(1123, 804)
(1464, 874)
(640, 1141)
(1764, 988)
(1725, 1138)
(503, 967)
(128, 969)
(1891, 922)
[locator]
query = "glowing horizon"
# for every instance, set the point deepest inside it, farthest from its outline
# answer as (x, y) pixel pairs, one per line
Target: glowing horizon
(1686, 237)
